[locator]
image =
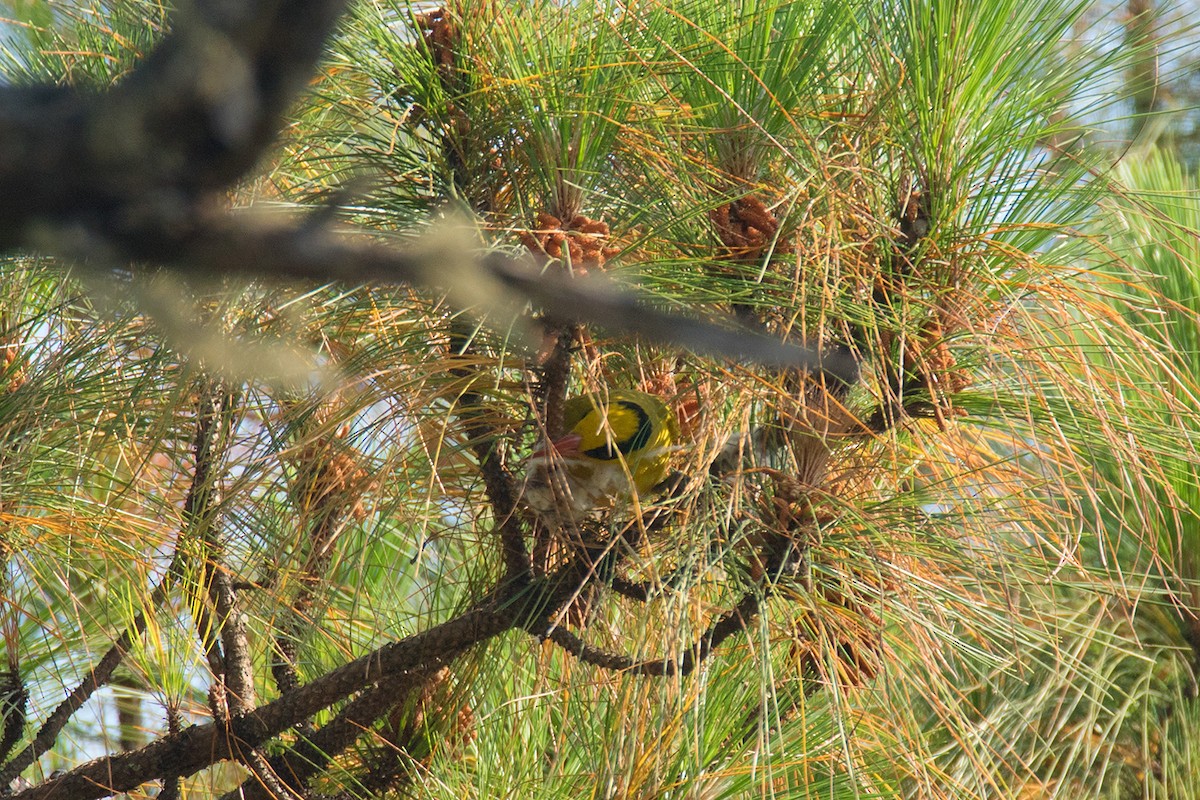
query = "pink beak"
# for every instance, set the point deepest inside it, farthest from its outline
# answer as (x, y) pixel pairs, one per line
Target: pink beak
(565, 447)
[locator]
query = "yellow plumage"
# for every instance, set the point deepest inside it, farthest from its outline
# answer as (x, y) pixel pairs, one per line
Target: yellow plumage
(616, 444)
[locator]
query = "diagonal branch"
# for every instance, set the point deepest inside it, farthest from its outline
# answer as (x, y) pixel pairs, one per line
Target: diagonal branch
(521, 604)
(313, 754)
(249, 246)
(139, 173)
(777, 554)
(98, 677)
(199, 746)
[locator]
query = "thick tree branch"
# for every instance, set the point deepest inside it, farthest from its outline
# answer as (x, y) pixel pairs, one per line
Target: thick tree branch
(192, 119)
(516, 604)
(550, 392)
(238, 669)
(138, 174)
(251, 246)
(197, 747)
(313, 755)
(170, 783)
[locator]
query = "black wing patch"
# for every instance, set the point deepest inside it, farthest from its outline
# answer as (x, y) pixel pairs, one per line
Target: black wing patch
(639, 439)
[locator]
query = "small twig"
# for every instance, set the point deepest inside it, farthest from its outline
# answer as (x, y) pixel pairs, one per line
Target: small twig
(239, 672)
(549, 394)
(634, 591)
(265, 777)
(213, 618)
(777, 554)
(14, 699)
(486, 443)
(587, 653)
(170, 783)
(731, 622)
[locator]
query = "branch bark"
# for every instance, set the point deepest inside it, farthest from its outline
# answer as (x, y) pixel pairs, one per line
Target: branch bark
(199, 746)
(527, 605)
(308, 758)
(191, 120)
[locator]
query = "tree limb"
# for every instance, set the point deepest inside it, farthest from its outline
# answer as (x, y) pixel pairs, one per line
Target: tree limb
(729, 623)
(139, 173)
(199, 746)
(312, 755)
(192, 119)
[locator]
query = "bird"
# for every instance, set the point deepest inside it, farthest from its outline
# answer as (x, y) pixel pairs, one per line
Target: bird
(617, 445)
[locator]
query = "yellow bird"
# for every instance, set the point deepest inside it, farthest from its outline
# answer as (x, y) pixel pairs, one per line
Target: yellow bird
(616, 444)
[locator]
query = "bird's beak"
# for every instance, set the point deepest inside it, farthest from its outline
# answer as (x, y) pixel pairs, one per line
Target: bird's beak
(565, 447)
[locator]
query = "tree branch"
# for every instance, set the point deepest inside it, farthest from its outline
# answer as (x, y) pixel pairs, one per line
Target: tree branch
(729, 623)
(487, 445)
(193, 118)
(197, 747)
(312, 755)
(213, 620)
(521, 603)
(138, 174)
